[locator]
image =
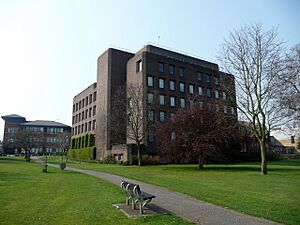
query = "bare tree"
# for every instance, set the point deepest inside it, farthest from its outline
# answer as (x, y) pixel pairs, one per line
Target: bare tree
(289, 83)
(255, 57)
(137, 125)
(129, 125)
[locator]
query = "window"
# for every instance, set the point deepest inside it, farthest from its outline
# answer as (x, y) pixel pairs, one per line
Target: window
(200, 90)
(83, 115)
(94, 96)
(75, 130)
(162, 116)
(94, 125)
(90, 126)
(150, 81)
(86, 101)
(191, 103)
(181, 71)
(82, 102)
(181, 87)
(161, 99)
(151, 136)
(94, 110)
(191, 89)
(150, 98)
(216, 94)
(209, 106)
(160, 67)
(86, 113)
(224, 95)
(86, 127)
(171, 69)
(90, 98)
(79, 104)
(172, 85)
(151, 115)
(217, 108)
(199, 76)
(208, 92)
(139, 66)
(182, 103)
(76, 107)
(200, 104)
(216, 80)
(207, 78)
(173, 135)
(79, 117)
(172, 101)
(161, 83)
(90, 112)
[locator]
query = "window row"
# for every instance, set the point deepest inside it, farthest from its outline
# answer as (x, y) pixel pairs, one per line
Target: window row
(55, 130)
(182, 87)
(86, 127)
(162, 115)
(88, 113)
(54, 140)
(162, 100)
(201, 76)
(85, 102)
(172, 69)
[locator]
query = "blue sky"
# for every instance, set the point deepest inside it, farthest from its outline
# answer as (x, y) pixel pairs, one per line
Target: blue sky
(49, 48)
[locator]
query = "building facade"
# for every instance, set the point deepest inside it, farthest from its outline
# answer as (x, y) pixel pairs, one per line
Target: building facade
(44, 136)
(169, 80)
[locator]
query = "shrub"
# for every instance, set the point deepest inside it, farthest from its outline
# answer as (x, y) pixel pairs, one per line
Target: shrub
(110, 159)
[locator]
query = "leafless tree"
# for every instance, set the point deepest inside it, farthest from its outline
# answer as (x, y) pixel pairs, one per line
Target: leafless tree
(255, 58)
(137, 117)
(289, 83)
(130, 120)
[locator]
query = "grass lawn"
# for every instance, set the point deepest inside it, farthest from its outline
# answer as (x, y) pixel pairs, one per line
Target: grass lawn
(241, 187)
(28, 196)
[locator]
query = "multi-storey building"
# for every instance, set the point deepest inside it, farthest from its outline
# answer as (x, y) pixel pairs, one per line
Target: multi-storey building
(45, 136)
(170, 80)
(84, 111)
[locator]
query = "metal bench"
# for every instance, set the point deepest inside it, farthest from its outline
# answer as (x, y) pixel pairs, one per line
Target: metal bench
(134, 195)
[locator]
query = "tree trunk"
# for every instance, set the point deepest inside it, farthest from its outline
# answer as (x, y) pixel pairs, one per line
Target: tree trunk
(138, 154)
(200, 165)
(262, 146)
(27, 155)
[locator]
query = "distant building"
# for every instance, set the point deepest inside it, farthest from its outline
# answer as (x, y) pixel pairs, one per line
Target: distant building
(169, 79)
(48, 136)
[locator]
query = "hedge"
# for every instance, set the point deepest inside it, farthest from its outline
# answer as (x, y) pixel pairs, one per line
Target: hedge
(82, 148)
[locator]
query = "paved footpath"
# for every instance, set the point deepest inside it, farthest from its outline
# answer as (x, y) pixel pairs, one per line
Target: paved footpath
(183, 205)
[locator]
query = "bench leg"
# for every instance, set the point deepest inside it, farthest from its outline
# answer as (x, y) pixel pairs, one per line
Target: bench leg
(132, 204)
(141, 209)
(142, 205)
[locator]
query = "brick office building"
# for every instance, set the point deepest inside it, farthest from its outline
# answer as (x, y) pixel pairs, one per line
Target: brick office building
(169, 79)
(46, 136)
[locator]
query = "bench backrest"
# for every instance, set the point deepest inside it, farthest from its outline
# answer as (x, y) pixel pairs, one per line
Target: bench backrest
(130, 187)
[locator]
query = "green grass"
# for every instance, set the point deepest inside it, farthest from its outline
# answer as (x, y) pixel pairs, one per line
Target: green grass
(241, 187)
(28, 196)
